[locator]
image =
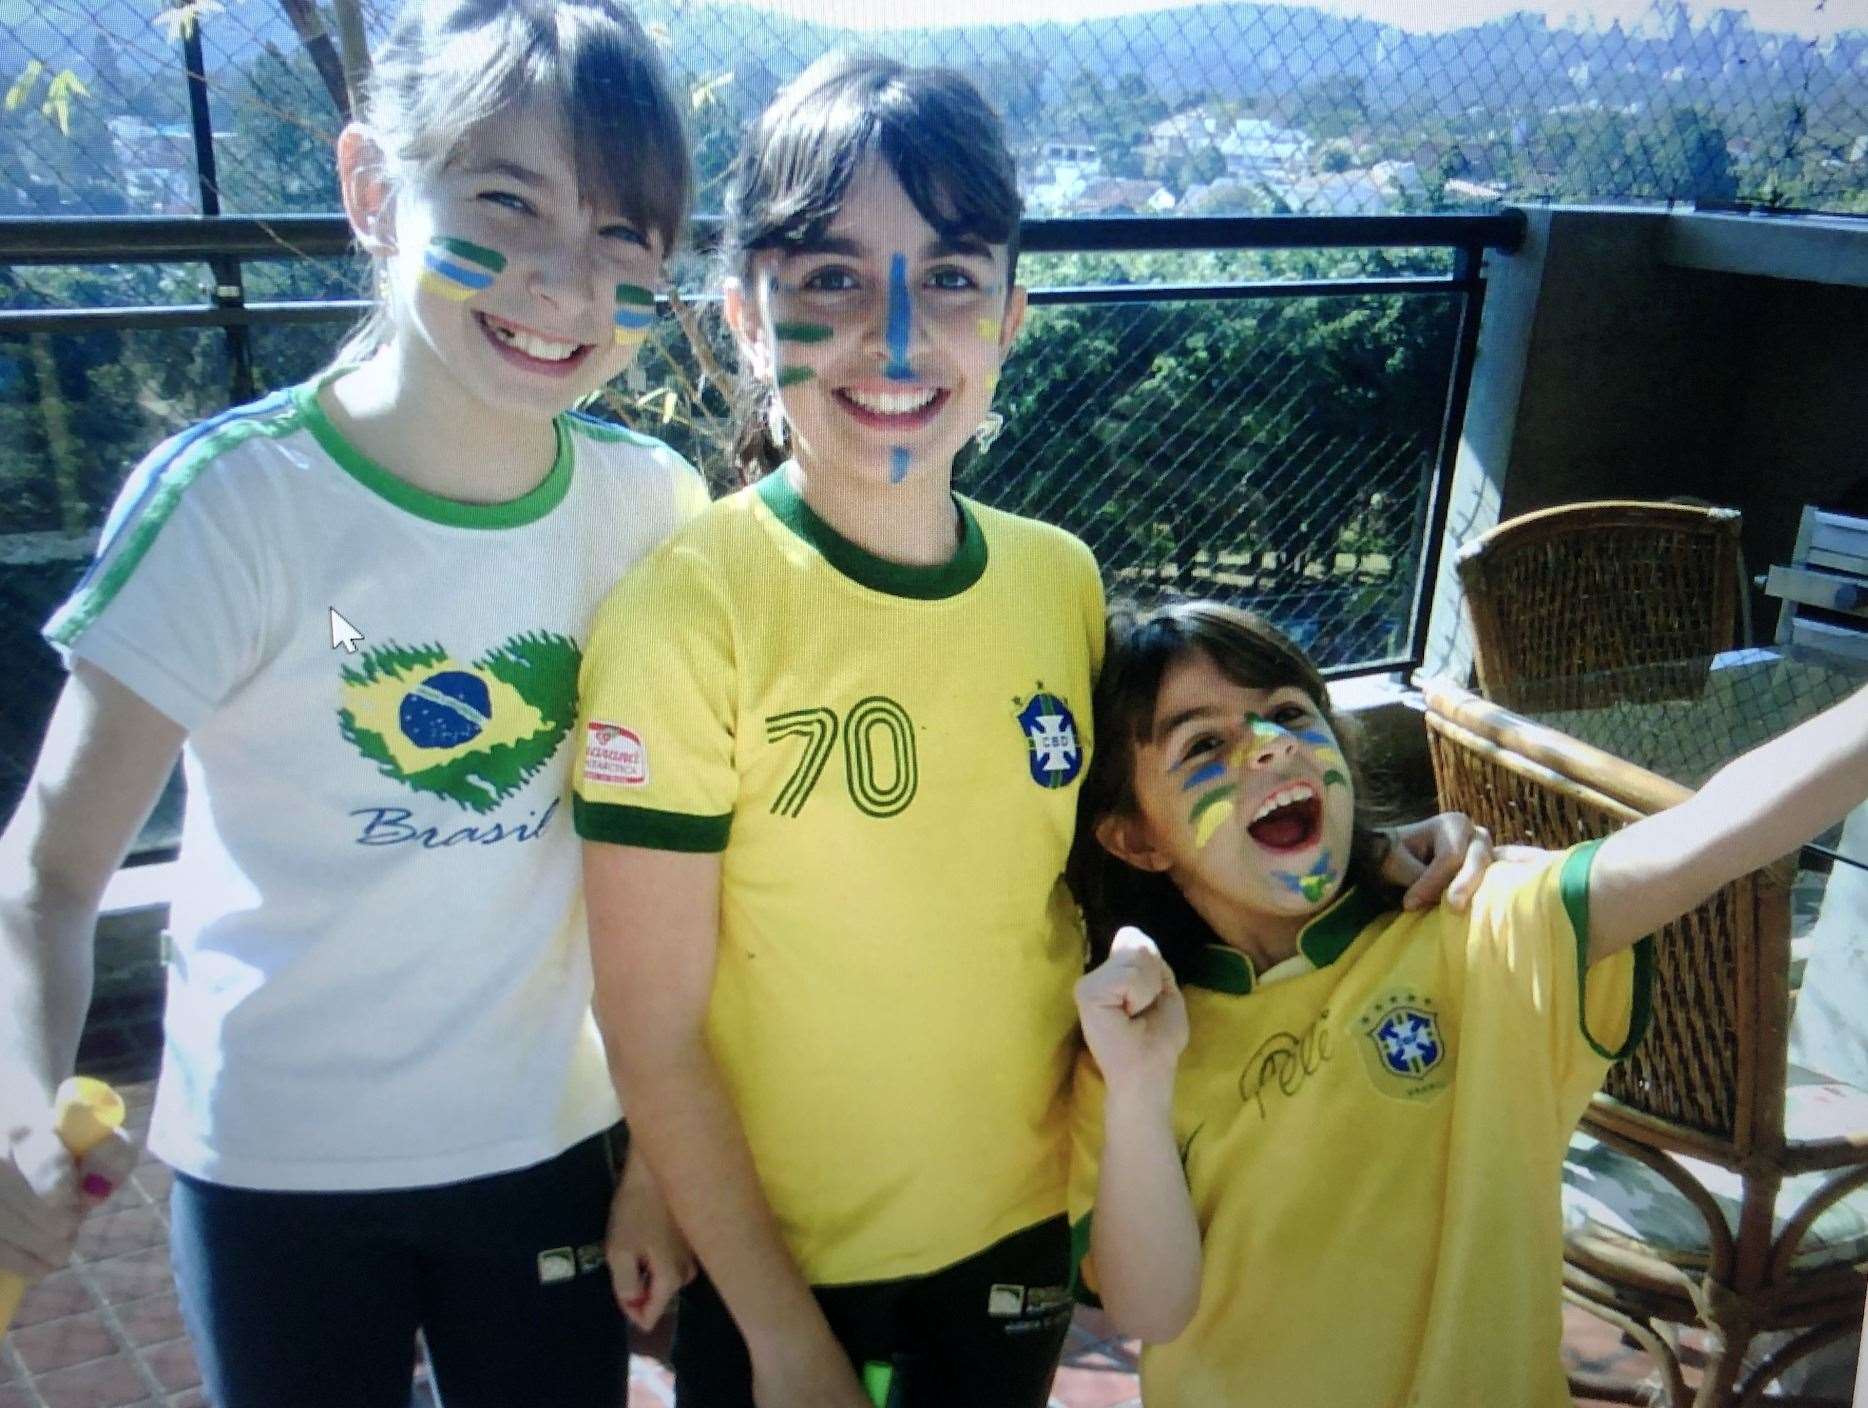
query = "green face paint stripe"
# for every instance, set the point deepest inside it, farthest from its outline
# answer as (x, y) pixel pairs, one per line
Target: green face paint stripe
(791, 376)
(801, 332)
(467, 249)
(1262, 728)
(878, 1379)
(1218, 794)
(1333, 778)
(635, 294)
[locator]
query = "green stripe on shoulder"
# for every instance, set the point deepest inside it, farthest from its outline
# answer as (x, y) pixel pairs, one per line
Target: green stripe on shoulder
(1573, 885)
(172, 481)
(643, 826)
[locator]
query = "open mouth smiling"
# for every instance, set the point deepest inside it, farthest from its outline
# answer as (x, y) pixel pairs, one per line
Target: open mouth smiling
(907, 408)
(531, 349)
(1289, 819)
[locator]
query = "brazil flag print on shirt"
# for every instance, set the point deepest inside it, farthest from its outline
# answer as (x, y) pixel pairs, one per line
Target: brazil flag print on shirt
(473, 731)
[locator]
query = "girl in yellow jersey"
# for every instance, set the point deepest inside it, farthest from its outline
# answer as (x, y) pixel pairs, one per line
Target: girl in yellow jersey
(832, 736)
(1319, 1140)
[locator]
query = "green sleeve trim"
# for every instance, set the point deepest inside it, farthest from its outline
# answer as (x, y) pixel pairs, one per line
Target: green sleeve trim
(1573, 884)
(643, 826)
(1080, 1253)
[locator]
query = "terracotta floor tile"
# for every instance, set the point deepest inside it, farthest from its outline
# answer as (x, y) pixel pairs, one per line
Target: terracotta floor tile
(14, 1396)
(151, 1319)
(61, 1293)
(1093, 1388)
(116, 1230)
(173, 1364)
(58, 1344)
(103, 1383)
(154, 1177)
(126, 1278)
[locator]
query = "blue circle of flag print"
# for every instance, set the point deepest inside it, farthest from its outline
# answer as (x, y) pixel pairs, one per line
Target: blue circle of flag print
(445, 710)
(1055, 755)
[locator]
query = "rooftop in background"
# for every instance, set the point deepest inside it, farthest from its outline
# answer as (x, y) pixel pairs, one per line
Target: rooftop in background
(1248, 106)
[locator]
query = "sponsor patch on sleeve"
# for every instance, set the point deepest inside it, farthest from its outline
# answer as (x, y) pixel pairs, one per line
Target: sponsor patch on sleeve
(615, 755)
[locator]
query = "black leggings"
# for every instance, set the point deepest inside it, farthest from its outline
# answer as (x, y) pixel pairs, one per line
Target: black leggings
(306, 1300)
(984, 1333)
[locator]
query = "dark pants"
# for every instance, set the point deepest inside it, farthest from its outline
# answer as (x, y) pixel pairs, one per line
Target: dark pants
(983, 1333)
(308, 1300)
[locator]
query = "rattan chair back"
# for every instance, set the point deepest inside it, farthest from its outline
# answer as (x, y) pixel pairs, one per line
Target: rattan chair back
(1570, 592)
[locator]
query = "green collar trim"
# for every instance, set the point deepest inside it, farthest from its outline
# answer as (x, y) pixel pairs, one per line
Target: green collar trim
(950, 578)
(529, 507)
(1222, 968)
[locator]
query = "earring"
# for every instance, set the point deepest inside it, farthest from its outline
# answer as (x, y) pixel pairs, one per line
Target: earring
(988, 431)
(775, 422)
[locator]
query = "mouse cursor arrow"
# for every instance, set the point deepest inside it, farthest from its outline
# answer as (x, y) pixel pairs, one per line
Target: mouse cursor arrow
(343, 633)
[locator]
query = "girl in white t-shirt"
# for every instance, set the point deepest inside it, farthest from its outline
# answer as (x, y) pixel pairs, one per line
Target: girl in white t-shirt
(356, 609)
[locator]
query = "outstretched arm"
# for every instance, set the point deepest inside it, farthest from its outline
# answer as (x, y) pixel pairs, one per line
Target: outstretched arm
(1753, 810)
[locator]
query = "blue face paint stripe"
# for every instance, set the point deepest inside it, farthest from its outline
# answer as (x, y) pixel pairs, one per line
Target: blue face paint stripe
(898, 464)
(1317, 737)
(900, 316)
(470, 278)
(1203, 776)
(633, 318)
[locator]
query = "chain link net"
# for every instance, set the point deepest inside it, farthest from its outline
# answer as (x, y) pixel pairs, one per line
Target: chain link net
(1204, 108)
(1273, 451)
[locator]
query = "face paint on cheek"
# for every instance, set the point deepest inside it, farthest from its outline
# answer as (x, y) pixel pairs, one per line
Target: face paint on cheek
(1329, 757)
(989, 330)
(901, 318)
(788, 335)
(1313, 884)
(635, 314)
(458, 269)
(1211, 812)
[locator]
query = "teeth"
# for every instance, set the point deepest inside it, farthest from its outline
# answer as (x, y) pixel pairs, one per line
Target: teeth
(1291, 792)
(544, 348)
(893, 403)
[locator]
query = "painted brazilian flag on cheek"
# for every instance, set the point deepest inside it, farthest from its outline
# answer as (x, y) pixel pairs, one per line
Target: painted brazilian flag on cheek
(471, 731)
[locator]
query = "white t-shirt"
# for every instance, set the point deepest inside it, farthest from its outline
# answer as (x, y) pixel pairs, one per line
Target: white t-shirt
(380, 975)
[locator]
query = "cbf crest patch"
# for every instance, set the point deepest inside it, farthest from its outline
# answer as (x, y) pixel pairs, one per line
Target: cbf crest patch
(1054, 753)
(1405, 1045)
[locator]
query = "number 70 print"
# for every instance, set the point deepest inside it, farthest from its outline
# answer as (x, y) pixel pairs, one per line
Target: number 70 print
(872, 727)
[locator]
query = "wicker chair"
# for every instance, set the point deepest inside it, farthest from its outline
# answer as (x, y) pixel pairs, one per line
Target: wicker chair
(1696, 1193)
(1569, 592)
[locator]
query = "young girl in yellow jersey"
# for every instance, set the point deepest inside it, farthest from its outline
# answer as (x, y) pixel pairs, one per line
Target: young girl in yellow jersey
(1343, 1191)
(832, 733)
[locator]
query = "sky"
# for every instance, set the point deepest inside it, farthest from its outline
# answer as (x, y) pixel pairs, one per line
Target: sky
(1814, 18)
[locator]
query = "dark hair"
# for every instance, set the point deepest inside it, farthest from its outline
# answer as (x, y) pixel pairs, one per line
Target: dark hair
(447, 66)
(929, 126)
(1141, 646)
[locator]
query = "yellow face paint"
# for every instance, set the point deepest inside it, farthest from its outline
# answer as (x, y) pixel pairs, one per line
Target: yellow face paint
(989, 329)
(1215, 814)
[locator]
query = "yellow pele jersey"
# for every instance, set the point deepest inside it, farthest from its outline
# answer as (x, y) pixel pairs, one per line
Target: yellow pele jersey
(887, 758)
(1374, 1148)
